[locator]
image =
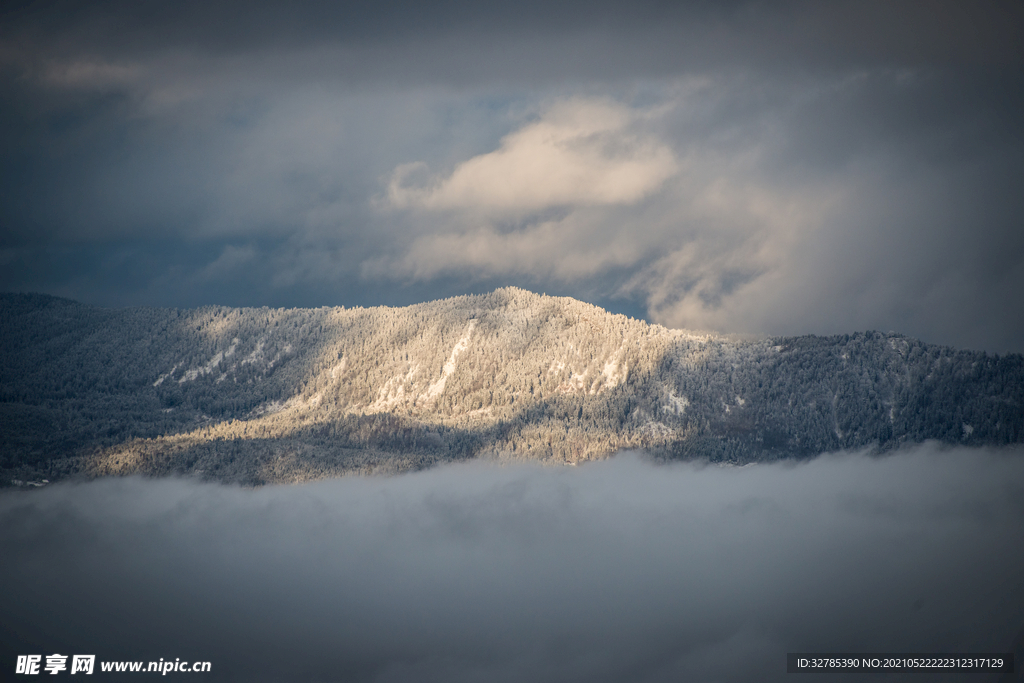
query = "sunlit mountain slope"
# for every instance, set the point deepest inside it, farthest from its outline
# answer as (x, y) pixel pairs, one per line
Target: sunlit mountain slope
(264, 395)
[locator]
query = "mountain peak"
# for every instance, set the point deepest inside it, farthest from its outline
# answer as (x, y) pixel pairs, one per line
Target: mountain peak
(261, 395)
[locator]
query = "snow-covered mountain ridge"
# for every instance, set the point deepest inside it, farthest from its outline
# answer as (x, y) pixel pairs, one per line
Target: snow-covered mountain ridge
(264, 395)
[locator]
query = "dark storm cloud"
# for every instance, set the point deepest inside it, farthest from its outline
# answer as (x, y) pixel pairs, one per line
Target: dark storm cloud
(660, 34)
(810, 167)
(615, 571)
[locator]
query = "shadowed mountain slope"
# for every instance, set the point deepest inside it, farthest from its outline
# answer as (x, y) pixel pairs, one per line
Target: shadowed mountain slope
(267, 395)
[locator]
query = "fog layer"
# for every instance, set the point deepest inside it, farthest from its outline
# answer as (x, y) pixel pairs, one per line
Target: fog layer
(622, 570)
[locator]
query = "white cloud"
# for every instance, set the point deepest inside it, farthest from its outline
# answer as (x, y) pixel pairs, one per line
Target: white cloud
(580, 244)
(555, 199)
(736, 260)
(580, 153)
(705, 236)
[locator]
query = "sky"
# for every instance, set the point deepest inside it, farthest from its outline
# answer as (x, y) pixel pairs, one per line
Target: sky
(620, 570)
(768, 168)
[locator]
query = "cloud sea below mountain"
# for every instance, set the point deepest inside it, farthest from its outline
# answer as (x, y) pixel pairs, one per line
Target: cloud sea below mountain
(622, 569)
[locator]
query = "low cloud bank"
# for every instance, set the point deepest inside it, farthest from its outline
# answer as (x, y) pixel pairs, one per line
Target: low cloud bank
(617, 571)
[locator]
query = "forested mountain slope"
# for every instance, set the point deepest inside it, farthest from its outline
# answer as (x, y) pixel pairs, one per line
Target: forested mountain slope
(263, 395)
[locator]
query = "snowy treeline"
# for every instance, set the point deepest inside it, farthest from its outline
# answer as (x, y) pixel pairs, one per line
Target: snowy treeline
(260, 395)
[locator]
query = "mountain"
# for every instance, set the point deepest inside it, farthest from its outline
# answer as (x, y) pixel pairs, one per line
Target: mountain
(261, 395)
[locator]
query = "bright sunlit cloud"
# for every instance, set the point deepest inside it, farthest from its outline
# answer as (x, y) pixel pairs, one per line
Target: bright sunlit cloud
(579, 153)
